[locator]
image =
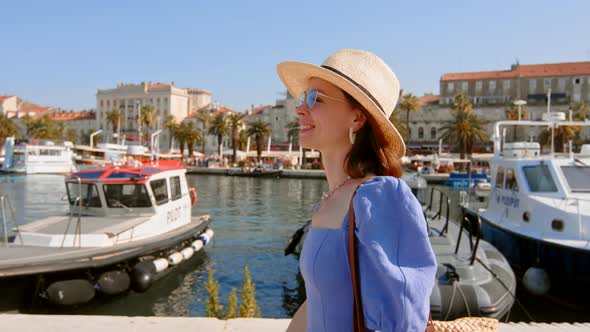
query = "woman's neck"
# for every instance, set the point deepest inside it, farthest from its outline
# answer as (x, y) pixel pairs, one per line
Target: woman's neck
(333, 162)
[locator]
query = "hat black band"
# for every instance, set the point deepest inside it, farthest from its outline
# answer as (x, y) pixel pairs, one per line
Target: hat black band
(357, 85)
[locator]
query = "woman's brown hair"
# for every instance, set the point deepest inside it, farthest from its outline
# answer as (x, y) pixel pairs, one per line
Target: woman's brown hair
(370, 152)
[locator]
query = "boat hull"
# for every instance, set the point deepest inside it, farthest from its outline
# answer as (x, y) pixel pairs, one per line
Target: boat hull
(22, 285)
(567, 267)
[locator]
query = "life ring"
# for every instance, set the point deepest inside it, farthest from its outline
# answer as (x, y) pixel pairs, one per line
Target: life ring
(193, 193)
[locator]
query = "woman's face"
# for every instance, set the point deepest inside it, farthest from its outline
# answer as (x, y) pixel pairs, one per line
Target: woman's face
(326, 126)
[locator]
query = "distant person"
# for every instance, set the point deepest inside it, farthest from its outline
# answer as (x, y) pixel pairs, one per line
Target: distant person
(343, 109)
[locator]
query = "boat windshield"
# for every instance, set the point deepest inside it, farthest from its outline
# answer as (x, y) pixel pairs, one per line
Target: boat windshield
(130, 195)
(89, 195)
(539, 178)
(577, 177)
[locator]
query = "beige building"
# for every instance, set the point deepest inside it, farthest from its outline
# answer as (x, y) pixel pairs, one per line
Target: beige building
(167, 99)
(83, 122)
(493, 92)
(8, 103)
(278, 116)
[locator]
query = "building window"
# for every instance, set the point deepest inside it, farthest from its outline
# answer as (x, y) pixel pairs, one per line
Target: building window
(478, 85)
(464, 86)
(492, 86)
(450, 87)
(506, 85)
(506, 99)
(420, 133)
(433, 133)
(577, 81)
(561, 84)
(101, 103)
(546, 84)
(532, 85)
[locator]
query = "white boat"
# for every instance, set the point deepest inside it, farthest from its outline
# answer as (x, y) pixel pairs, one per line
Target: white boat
(102, 155)
(39, 156)
(538, 213)
(126, 227)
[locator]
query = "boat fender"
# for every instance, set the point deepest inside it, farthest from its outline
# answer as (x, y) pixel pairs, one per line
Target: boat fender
(210, 233)
(160, 264)
(187, 252)
(113, 282)
(193, 193)
(175, 258)
(197, 245)
(70, 292)
(142, 276)
(536, 280)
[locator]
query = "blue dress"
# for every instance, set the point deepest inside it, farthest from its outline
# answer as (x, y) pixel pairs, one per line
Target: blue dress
(396, 263)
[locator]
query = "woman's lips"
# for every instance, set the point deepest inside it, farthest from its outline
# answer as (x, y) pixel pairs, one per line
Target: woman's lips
(305, 129)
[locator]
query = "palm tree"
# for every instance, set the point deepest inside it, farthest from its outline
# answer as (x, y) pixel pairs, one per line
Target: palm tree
(113, 118)
(512, 114)
(401, 127)
(148, 115)
(410, 103)
(465, 128)
(242, 140)
(204, 117)
(170, 125)
(259, 129)
(42, 127)
(180, 134)
(235, 122)
(192, 136)
(219, 127)
(70, 135)
(561, 136)
(7, 128)
(462, 103)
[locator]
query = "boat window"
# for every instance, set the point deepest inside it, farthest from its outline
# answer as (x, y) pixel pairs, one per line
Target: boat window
(500, 178)
(511, 183)
(577, 177)
(160, 191)
(89, 195)
(175, 187)
(129, 195)
(539, 178)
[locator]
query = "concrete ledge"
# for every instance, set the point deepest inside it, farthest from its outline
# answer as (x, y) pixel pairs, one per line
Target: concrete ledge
(71, 323)
(66, 323)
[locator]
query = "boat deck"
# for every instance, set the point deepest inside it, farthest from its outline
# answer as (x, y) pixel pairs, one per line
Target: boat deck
(20, 260)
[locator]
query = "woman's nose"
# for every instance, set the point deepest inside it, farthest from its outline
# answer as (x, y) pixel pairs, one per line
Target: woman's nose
(301, 110)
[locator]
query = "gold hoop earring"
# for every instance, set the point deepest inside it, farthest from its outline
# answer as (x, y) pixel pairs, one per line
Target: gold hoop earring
(351, 135)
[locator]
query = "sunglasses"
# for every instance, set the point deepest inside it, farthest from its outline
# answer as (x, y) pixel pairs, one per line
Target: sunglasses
(310, 98)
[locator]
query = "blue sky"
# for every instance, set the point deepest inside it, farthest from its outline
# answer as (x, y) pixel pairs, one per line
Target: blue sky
(58, 53)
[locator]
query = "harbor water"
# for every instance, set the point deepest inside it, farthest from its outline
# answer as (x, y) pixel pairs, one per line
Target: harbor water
(253, 219)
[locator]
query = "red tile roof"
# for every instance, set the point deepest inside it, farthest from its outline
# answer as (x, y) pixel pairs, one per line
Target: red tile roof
(67, 116)
(32, 109)
(3, 98)
(539, 70)
(259, 109)
(213, 113)
(425, 100)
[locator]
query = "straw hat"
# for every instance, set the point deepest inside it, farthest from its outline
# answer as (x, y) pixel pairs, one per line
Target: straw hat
(364, 76)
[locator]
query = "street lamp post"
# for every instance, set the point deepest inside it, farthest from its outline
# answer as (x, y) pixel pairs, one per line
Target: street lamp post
(138, 108)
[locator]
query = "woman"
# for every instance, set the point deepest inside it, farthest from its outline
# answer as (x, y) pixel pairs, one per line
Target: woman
(343, 111)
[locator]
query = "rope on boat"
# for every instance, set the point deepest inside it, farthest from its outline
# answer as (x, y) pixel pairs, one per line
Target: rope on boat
(507, 289)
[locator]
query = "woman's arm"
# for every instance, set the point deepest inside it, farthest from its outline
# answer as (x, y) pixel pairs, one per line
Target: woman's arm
(299, 321)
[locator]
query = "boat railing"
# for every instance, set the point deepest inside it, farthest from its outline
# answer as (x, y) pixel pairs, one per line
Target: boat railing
(78, 230)
(472, 225)
(443, 200)
(5, 209)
